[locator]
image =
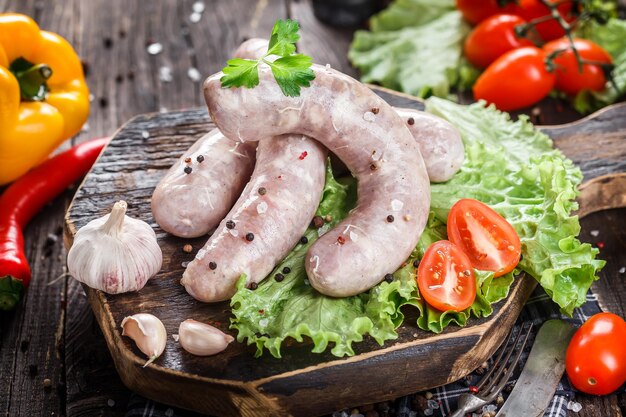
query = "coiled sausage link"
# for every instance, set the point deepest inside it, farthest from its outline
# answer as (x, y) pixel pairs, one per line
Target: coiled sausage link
(371, 139)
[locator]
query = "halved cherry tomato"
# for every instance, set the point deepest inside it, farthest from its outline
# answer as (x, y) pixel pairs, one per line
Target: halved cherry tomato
(445, 277)
(475, 11)
(569, 79)
(550, 29)
(487, 238)
(493, 37)
(517, 79)
(595, 360)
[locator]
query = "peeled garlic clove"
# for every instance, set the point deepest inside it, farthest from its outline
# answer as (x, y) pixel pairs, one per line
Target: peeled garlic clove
(148, 332)
(115, 253)
(202, 339)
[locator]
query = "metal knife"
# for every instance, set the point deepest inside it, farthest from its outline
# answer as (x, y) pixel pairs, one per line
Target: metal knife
(541, 375)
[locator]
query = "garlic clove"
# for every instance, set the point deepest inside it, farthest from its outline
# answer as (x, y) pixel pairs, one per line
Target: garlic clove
(115, 253)
(202, 339)
(148, 332)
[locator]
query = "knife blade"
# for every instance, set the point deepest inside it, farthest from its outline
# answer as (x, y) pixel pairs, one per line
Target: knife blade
(541, 375)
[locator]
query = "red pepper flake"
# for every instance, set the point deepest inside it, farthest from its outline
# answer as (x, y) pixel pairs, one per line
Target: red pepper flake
(473, 389)
(601, 245)
(341, 240)
(261, 311)
(280, 177)
(303, 155)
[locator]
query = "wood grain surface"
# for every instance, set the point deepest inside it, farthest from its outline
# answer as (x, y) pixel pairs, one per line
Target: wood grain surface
(54, 336)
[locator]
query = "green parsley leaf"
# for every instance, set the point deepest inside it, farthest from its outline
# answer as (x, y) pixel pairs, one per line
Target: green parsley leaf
(240, 72)
(284, 37)
(292, 72)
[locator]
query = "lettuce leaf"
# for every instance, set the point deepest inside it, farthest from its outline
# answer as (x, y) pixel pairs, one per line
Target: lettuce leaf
(415, 46)
(510, 166)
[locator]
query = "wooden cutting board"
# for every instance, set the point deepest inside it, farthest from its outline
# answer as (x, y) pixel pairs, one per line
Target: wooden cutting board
(234, 383)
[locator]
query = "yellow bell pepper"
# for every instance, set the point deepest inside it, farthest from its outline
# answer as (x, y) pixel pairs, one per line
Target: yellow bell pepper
(43, 96)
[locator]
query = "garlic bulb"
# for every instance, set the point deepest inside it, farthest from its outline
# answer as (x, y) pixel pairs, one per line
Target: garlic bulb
(202, 339)
(148, 332)
(115, 253)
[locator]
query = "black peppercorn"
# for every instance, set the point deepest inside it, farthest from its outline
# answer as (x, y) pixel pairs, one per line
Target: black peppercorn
(279, 277)
(390, 219)
(212, 265)
(254, 285)
(304, 240)
(389, 278)
(286, 270)
(318, 222)
(200, 158)
(411, 121)
(249, 237)
(230, 224)
(188, 170)
(416, 263)
(262, 191)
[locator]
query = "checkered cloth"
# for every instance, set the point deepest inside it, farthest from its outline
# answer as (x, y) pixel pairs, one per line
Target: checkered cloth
(538, 309)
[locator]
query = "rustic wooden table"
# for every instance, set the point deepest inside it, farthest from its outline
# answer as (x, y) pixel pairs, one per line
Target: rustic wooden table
(53, 358)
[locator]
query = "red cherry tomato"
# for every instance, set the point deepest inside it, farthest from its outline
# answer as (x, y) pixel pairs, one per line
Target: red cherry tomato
(445, 277)
(550, 29)
(475, 11)
(595, 360)
(569, 79)
(493, 37)
(487, 238)
(517, 79)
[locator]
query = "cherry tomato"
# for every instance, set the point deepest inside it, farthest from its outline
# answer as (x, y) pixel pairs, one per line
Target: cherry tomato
(550, 29)
(595, 360)
(493, 37)
(569, 79)
(445, 277)
(487, 238)
(517, 79)
(475, 11)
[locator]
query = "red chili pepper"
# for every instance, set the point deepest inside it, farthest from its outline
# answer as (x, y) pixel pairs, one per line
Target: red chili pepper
(23, 199)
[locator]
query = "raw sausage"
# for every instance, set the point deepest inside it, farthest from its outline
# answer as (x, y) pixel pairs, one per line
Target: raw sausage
(189, 205)
(439, 141)
(371, 139)
(272, 213)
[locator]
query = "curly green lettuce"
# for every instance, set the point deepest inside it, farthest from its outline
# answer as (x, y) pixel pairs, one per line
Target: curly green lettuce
(509, 165)
(414, 46)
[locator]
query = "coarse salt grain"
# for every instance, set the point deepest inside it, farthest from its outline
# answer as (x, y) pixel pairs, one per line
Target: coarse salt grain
(145, 134)
(165, 74)
(261, 207)
(622, 270)
(353, 236)
(200, 254)
(368, 116)
(194, 75)
(263, 322)
(198, 7)
(233, 232)
(175, 337)
(195, 17)
(396, 205)
(574, 406)
(154, 48)
(594, 233)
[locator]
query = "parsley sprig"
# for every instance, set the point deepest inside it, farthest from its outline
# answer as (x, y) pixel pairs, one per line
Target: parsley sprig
(291, 71)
